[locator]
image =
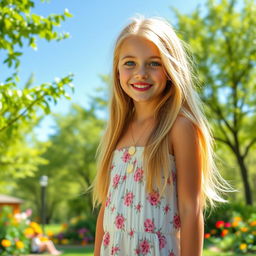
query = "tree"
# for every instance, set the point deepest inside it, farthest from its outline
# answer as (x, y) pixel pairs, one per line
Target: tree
(222, 39)
(19, 108)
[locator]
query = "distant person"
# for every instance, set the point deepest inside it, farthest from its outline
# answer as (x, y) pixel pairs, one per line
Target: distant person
(38, 246)
(156, 168)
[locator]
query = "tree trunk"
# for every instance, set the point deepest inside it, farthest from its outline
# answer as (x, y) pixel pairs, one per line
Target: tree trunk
(244, 172)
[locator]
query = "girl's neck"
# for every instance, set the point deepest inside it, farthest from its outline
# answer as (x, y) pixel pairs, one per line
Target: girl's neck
(143, 112)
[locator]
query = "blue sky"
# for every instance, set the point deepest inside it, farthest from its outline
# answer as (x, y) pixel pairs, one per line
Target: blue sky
(88, 52)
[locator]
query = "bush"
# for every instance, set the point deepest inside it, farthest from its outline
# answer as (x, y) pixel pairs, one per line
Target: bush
(232, 228)
(80, 230)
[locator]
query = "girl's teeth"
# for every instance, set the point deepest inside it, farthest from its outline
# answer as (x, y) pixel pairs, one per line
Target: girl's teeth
(141, 86)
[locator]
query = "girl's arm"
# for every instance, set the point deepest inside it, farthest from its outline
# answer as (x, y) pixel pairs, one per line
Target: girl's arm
(186, 150)
(99, 230)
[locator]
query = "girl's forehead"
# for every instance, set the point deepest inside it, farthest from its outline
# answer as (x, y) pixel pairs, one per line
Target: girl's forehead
(137, 46)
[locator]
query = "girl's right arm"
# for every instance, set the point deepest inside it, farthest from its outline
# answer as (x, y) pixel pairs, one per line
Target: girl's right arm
(99, 230)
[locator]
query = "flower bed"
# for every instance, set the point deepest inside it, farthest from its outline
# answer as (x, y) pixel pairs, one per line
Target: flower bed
(237, 235)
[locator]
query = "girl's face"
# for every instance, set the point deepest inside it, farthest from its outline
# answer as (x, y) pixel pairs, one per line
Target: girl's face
(141, 72)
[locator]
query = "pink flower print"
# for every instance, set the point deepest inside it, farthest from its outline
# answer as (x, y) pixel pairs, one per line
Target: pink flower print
(128, 198)
(116, 180)
(106, 239)
(144, 247)
(114, 250)
(124, 177)
(108, 201)
(153, 198)
(119, 222)
(112, 167)
(161, 239)
(171, 253)
(169, 180)
(126, 156)
(112, 209)
(149, 225)
(176, 221)
(137, 251)
(166, 209)
(138, 207)
(131, 233)
(138, 175)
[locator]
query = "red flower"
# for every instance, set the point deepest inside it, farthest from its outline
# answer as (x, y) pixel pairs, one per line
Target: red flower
(176, 221)
(227, 225)
(138, 175)
(149, 225)
(207, 235)
(116, 180)
(144, 247)
(106, 239)
(128, 198)
(153, 198)
(219, 224)
(119, 222)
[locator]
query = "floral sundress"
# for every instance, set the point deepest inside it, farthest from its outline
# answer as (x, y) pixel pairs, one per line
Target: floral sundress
(136, 222)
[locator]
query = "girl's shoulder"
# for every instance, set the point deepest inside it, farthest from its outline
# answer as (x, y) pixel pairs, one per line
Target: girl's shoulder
(181, 128)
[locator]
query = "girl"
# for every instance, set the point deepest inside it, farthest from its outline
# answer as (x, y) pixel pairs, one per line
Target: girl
(156, 168)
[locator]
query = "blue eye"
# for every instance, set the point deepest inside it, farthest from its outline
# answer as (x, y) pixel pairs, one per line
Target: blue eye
(155, 64)
(129, 63)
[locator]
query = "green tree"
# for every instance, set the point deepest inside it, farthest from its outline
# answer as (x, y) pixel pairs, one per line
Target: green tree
(222, 37)
(19, 108)
(71, 166)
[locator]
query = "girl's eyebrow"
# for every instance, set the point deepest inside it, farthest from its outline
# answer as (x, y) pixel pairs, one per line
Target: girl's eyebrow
(151, 57)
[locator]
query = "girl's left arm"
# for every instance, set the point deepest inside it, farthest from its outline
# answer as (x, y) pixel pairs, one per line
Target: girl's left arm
(189, 186)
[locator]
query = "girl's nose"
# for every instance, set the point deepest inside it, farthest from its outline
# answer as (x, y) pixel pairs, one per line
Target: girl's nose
(141, 73)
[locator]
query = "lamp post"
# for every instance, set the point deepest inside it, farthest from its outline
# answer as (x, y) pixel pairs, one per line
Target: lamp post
(43, 182)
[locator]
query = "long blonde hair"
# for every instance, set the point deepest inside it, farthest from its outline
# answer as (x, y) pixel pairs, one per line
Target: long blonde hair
(180, 98)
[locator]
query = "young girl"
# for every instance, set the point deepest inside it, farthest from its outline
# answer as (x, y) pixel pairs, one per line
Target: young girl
(156, 168)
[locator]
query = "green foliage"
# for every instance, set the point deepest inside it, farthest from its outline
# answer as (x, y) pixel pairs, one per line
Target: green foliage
(19, 108)
(12, 236)
(222, 40)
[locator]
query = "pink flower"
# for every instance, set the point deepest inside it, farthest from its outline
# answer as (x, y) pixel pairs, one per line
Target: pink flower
(29, 212)
(153, 198)
(108, 201)
(106, 239)
(227, 225)
(131, 233)
(126, 156)
(114, 250)
(176, 221)
(119, 222)
(113, 208)
(116, 180)
(162, 240)
(166, 209)
(171, 253)
(149, 225)
(138, 175)
(144, 247)
(124, 177)
(128, 198)
(138, 207)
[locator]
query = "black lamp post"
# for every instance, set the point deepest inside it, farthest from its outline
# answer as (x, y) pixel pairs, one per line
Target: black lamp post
(43, 183)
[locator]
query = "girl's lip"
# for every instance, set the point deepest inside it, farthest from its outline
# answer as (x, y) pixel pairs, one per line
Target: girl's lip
(141, 83)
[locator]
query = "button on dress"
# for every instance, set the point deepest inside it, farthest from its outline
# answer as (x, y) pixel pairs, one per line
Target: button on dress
(136, 222)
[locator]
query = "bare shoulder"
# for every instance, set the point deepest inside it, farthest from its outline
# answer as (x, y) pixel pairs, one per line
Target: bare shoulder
(183, 131)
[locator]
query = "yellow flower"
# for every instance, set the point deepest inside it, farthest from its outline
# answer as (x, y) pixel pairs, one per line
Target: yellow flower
(29, 231)
(6, 243)
(253, 223)
(254, 233)
(64, 241)
(50, 233)
(33, 224)
(44, 238)
(235, 224)
(19, 244)
(244, 229)
(237, 219)
(243, 247)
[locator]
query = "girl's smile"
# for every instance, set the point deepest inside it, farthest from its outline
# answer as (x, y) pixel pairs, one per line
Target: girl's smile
(141, 72)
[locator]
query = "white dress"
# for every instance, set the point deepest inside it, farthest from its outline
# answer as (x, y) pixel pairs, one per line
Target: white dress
(136, 222)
